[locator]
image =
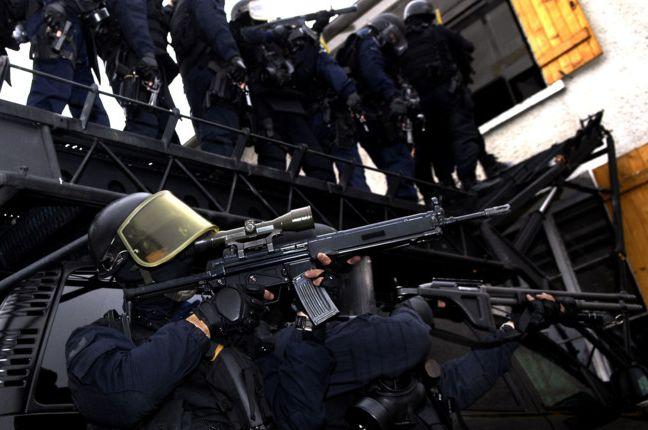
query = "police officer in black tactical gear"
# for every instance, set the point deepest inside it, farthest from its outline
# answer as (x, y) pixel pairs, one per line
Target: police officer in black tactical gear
(438, 64)
(212, 70)
(141, 72)
(278, 108)
(371, 55)
(62, 33)
(331, 99)
(166, 363)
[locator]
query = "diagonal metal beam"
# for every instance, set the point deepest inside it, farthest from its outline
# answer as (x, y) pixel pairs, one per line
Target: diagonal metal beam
(124, 168)
(84, 163)
(200, 186)
(259, 196)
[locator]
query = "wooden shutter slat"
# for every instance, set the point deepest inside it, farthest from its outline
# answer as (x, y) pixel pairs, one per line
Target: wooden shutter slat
(559, 35)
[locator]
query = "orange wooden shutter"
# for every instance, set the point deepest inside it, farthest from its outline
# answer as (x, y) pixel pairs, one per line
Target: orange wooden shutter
(559, 35)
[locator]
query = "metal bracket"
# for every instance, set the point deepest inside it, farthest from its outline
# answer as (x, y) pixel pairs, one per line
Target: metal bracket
(169, 128)
(88, 105)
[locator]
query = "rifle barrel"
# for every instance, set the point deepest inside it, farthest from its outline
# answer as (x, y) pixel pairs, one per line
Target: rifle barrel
(580, 304)
(580, 295)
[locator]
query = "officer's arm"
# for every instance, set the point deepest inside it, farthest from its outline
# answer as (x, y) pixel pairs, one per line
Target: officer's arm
(329, 70)
(466, 379)
(372, 69)
(212, 22)
(116, 383)
(132, 17)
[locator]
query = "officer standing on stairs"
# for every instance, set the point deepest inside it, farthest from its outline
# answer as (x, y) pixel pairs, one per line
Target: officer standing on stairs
(370, 54)
(331, 100)
(140, 71)
(279, 112)
(212, 70)
(437, 64)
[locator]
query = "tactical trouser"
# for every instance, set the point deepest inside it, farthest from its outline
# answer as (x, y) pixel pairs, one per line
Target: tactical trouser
(301, 376)
(53, 95)
(145, 121)
(390, 155)
(293, 128)
(214, 139)
(450, 115)
(345, 150)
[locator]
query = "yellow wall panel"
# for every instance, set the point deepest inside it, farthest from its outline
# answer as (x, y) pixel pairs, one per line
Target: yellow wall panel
(633, 181)
(559, 35)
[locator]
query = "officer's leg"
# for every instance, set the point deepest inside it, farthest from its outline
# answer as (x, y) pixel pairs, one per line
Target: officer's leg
(214, 139)
(465, 138)
(47, 93)
(83, 75)
(393, 157)
(335, 145)
(269, 153)
(142, 121)
(358, 179)
(295, 128)
(370, 346)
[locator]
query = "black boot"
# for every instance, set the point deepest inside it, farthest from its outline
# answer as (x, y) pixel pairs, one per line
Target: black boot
(492, 167)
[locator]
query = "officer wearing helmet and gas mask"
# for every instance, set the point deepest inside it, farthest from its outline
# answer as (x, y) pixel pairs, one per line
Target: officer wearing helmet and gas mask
(371, 56)
(437, 63)
(166, 363)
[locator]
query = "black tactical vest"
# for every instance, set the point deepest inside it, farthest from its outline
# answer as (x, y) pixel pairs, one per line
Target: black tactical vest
(428, 59)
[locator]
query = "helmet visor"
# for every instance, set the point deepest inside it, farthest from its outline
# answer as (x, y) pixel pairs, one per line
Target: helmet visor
(160, 228)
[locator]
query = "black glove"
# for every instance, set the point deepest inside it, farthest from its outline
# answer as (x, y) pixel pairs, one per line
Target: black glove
(148, 68)
(236, 70)
(536, 315)
(55, 16)
(321, 21)
(353, 101)
(397, 107)
(229, 311)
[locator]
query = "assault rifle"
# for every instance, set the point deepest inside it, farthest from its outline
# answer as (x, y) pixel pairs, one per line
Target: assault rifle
(252, 260)
(298, 21)
(476, 300)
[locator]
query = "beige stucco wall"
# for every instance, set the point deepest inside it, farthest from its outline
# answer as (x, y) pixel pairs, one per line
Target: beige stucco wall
(616, 82)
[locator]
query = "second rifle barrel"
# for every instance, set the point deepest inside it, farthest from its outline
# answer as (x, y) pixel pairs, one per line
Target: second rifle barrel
(499, 291)
(580, 304)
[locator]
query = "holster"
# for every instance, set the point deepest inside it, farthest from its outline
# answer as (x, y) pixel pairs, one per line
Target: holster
(132, 87)
(221, 87)
(42, 47)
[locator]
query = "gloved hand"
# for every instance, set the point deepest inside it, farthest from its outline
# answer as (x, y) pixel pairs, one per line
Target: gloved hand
(397, 107)
(55, 17)
(537, 313)
(148, 68)
(329, 278)
(231, 310)
(236, 70)
(353, 101)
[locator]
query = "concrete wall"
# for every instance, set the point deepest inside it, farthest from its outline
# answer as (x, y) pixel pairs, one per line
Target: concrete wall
(616, 82)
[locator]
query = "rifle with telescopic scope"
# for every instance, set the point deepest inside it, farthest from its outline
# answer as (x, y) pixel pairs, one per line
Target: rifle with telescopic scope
(251, 259)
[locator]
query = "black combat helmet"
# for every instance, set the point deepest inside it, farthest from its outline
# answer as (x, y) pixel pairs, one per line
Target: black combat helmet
(390, 32)
(103, 232)
(422, 8)
(241, 8)
(148, 230)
